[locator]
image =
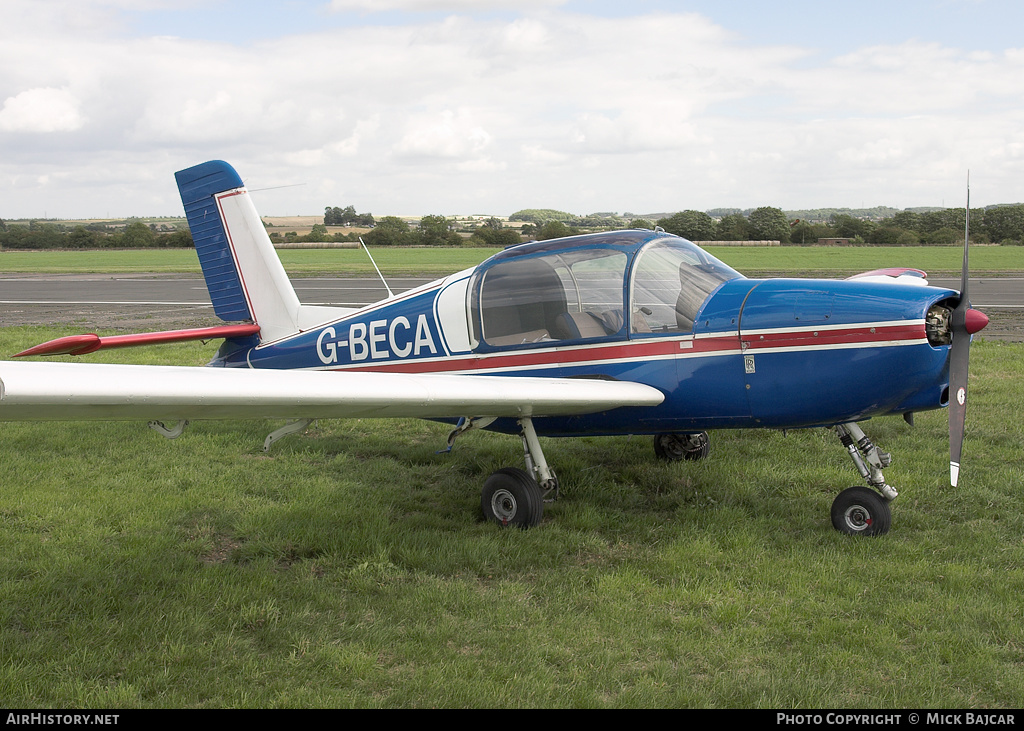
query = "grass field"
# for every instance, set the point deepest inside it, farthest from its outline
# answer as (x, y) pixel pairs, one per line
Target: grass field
(833, 261)
(349, 567)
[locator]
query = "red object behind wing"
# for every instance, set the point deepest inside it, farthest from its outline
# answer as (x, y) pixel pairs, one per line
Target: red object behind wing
(82, 344)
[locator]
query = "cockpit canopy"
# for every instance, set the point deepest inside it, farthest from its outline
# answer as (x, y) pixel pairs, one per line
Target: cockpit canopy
(600, 286)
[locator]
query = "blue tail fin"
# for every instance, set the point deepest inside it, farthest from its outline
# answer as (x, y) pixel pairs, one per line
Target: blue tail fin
(241, 268)
(198, 185)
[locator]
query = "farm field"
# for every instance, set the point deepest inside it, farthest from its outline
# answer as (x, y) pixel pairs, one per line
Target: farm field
(349, 567)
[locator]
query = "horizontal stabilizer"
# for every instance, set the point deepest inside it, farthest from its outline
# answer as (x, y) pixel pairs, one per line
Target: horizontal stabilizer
(35, 391)
(90, 342)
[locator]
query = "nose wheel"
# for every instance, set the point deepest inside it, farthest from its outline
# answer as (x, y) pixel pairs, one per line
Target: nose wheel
(860, 511)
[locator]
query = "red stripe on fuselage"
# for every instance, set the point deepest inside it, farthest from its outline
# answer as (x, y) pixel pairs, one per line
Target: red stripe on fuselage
(821, 337)
(657, 348)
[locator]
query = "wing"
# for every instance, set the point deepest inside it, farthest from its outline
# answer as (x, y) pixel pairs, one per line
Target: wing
(83, 392)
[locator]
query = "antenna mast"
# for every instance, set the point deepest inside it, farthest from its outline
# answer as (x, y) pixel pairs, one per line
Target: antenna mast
(390, 293)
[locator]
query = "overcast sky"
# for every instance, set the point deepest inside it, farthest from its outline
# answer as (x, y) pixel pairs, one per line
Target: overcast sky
(491, 106)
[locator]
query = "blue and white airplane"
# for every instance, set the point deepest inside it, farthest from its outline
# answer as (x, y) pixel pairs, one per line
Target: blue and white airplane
(629, 332)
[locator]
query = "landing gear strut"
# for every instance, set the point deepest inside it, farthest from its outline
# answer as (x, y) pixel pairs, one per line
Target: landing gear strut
(512, 496)
(859, 510)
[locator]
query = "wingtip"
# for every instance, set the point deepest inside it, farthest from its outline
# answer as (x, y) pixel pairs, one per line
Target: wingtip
(954, 473)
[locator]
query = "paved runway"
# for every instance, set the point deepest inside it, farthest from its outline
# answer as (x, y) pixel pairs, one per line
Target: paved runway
(153, 302)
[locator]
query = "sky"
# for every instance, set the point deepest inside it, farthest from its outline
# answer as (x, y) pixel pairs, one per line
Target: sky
(486, 107)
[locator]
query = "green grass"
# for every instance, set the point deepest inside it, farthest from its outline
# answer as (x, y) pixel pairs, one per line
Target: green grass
(815, 260)
(394, 262)
(349, 567)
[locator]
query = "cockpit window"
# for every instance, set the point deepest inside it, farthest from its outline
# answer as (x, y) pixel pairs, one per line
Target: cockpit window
(671, 280)
(570, 295)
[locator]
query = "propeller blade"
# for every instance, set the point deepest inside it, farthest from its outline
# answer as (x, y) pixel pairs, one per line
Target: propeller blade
(964, 323)
(959, 357)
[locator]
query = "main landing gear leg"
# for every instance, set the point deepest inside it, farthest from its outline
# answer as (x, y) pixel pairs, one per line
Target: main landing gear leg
(513, 496)
(861, 510)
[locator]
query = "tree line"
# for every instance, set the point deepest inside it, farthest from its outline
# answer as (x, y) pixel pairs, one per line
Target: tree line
(943, 227)
(134, 235)
(995, 224)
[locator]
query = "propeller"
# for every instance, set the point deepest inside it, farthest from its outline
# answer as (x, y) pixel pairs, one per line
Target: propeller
(965, 321)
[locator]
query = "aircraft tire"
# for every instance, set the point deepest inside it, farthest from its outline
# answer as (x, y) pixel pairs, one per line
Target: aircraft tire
(511, 497)
(860, 511)
(675, 447)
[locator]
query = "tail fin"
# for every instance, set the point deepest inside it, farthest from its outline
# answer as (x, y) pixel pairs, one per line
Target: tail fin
(243, 272)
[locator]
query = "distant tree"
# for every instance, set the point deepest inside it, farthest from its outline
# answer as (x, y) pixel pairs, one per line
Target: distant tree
(641, 223)
(943, 236)
(540, 215)
(721, 213)
(346, 216)
(1003, 223)
(180, 239)
(768, 224)
(732, 227)
(82, 238)
(494, 233)
(389, 231)
(887, 234)
(137, 235)
(553, 230)
(693, 225)
(849, 227)
(436, 231)
(317, 234)
(809, 233)
(907, 220)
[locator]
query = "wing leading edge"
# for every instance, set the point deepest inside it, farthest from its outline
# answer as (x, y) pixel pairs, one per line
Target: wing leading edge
(36, 391)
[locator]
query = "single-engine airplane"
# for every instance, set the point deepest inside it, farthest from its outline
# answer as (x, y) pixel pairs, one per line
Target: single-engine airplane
(628, 332)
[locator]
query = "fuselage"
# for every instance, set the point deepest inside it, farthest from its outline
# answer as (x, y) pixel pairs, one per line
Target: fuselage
(727, 351)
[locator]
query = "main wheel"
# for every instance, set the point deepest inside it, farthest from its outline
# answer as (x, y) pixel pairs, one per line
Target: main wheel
(675, 447)
(512, 497)
(860, 511)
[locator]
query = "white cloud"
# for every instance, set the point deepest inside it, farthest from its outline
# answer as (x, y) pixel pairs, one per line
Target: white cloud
(441, 5)
(549, 109)
(449, 135)
(41, 110)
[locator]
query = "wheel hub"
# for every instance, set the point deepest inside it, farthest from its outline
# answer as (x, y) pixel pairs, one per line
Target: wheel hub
(503, 505)
(858, 518)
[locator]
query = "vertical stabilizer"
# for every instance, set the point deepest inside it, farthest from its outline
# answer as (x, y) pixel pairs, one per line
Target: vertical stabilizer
(243, 272)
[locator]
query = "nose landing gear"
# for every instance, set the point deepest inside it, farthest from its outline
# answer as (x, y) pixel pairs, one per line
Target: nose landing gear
(864, 511)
